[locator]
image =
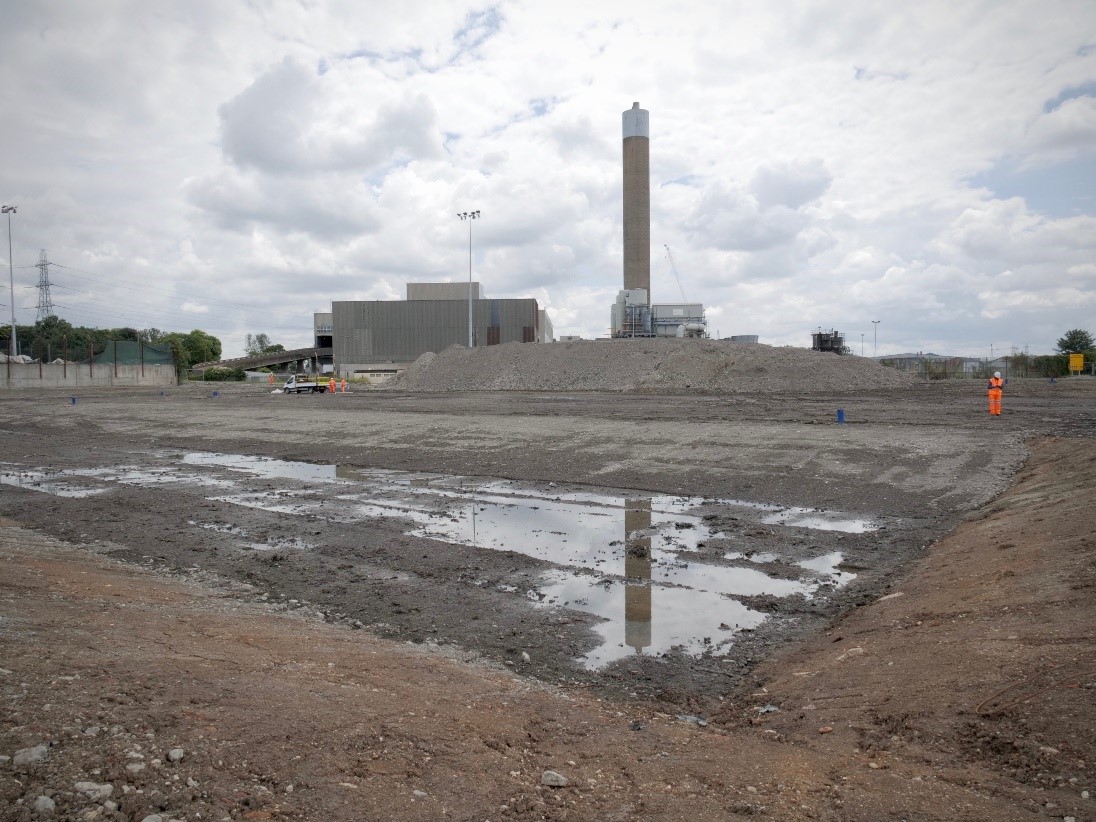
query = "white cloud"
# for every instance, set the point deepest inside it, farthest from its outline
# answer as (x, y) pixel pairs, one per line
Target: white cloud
(810, 160)
(1063, 133)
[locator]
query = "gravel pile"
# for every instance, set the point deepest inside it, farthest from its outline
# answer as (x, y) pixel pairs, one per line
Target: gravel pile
(650, 366)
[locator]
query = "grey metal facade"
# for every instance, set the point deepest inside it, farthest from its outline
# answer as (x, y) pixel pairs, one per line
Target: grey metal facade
(444, 291)
(401, 331)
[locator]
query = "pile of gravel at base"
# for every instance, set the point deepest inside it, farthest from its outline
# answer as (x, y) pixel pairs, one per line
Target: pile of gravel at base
(649, 366)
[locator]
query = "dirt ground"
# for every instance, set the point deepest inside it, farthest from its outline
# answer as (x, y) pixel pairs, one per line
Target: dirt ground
(161, 621)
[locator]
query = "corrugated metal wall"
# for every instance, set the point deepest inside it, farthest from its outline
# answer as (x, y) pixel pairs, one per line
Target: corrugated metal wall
(392, 331)
(443, 291)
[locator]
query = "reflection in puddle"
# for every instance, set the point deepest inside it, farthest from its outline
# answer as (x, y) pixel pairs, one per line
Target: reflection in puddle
(818, 520)
(46, 482)
(655, 620)
(130, 475)
(636, 560)
(760, 557)
(693, 616)
(641, 564)
(265, 466)
(827, 566)
(639, 550)
(271, 502)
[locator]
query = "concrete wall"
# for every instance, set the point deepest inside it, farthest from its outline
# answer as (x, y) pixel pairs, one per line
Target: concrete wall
(82, 375)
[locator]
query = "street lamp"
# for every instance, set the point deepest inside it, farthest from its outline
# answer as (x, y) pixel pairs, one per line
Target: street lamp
(861, 343)
(14, 348)
(469, 216)
(875, 338)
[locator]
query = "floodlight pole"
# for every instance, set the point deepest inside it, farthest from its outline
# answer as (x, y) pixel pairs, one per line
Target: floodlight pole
(469, 216)
(13, 345)
(875, 338)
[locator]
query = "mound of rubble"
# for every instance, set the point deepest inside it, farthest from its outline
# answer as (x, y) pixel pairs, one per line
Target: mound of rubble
(650, 366)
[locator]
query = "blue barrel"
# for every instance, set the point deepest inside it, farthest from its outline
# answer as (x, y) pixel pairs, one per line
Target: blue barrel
(216, 394)
(840, 416)
(72, 400)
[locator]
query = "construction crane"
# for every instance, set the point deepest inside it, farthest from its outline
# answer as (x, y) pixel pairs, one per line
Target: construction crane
(673, 268)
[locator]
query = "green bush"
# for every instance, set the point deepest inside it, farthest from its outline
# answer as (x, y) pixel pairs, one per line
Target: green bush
(224, 375)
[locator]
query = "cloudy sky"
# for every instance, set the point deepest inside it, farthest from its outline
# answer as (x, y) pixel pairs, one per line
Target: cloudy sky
(236, 166)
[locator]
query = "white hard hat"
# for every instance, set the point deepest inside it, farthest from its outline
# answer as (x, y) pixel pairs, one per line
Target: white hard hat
(997, 374)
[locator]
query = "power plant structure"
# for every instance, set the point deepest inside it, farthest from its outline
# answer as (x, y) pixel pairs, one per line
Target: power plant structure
(637, 199)
(832, 341)
(633, 314)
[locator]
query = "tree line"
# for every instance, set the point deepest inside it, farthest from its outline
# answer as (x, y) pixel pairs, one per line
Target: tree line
(52, 338)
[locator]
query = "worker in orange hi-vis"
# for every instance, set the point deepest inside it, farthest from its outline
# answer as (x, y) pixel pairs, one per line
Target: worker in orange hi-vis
(993, 389)
(331, 385)
(344, 385)
(270, 378)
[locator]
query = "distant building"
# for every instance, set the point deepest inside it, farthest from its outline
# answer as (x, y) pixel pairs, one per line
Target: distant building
(936, 364)
(379, 338)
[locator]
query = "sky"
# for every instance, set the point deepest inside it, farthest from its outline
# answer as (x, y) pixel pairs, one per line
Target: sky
(920, 177)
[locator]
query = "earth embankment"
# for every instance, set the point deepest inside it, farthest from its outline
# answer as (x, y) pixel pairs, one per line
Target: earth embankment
(653, 366)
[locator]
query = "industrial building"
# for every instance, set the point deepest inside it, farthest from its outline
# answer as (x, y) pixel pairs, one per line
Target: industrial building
(633, 314)
(380, 338)
(832, 341)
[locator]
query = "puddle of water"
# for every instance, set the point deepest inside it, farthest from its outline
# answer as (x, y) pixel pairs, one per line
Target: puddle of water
(131, 475)
(265, 466)
(647, 587)
(635, 562)
(760, 557)
(646, 618)
(270, 502)
(827, 566)
(818, 520)
(47, 483)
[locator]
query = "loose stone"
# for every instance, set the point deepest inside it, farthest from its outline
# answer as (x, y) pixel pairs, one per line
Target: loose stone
(44, 805)
(94, 790)
(553, 779)
(29, 756)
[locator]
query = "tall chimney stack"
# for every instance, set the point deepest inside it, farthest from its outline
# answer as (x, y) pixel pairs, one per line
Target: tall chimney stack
(637, 200)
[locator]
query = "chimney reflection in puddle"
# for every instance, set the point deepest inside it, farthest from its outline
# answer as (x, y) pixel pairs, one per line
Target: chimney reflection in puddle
(637, 573)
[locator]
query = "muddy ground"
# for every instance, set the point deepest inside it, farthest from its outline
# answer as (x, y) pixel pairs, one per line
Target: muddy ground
(759, 519)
